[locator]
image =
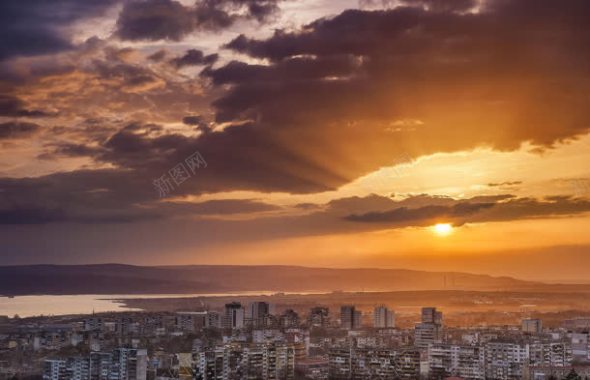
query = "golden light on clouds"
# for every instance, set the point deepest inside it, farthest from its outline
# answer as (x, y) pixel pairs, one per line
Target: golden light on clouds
(378, 168)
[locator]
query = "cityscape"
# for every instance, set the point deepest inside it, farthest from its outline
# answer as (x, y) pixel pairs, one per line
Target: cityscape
(257, 341)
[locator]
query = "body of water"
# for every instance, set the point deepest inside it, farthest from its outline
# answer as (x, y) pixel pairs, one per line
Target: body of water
(28, 306)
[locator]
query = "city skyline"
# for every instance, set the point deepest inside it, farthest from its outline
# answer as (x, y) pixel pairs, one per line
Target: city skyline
(422, 134)
(279, 343)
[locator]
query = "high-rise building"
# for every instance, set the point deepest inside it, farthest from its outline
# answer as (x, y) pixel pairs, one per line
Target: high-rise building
(431, 315)
(533, 326)
(55, 369)
(78, 368)
(430, 330)
(350, 318)
(72, 368)
(129, 364)
(258, 313)
(465, 362)
(100, 365)
(319, 316)
(505, 360)
(580, 344)
(289, 319)
(248, 362)
(234, 316)
(279, 362)
(383, 317)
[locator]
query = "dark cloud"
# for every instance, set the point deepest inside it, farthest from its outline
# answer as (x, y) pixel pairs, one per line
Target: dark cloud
(102, 196)
(197, 121)
(468, 78)
(192, 120)
(320, 113)
(216, 14)
(154, 20)
(298, 69)
(157, 56)
(126, 194)
(333, 102)
(481, 209)
(12, 106)
(194, 57)
(34, 27)
(422, 215)
(253, 163)
(85, 196)
(226, 207)
(443, 5)
(68, 150)
(344, 88)
(171, 20)
(15, 129)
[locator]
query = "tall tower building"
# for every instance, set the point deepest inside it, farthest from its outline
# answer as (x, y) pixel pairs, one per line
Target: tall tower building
(533, 326)
(258, 312)
(350, 318)
(430, 330)
(319, 316)
(129, 364)
(383, 317)
(233, 317)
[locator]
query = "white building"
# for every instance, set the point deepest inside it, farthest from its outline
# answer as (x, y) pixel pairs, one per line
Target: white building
(129, 364)
(506, 360)
(580, 346)
(235, 361)
(54, 369)
(121, 364)
(467, 362)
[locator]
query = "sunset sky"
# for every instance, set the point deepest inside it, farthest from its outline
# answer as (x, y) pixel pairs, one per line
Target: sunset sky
(331, 133)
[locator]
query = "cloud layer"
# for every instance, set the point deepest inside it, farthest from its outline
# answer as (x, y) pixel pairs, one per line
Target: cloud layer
(171, 20)
(302, 110)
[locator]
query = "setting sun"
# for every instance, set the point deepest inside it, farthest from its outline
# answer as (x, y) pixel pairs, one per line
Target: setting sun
(443, 229)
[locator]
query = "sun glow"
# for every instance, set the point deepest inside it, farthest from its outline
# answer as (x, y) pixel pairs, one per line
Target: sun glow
(443, 229)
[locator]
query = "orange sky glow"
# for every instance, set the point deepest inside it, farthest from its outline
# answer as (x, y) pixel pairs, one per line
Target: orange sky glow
(399, 134)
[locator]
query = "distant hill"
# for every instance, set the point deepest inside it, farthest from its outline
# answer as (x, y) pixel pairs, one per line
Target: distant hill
(129, 279)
